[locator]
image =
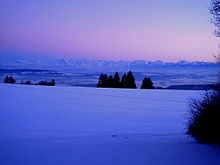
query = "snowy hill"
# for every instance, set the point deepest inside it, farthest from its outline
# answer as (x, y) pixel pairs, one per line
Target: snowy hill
(70, 125)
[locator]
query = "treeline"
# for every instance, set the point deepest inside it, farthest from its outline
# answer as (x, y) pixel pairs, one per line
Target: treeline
(126, 81)
(11, 80)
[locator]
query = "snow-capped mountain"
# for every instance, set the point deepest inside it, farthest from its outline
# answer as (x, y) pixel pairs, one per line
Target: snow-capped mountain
(101, 64)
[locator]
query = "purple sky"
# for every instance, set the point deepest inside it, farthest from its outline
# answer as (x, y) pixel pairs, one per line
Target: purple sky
(168, 30)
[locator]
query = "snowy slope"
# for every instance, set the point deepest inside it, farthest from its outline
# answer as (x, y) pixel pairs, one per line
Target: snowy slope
(64, 125)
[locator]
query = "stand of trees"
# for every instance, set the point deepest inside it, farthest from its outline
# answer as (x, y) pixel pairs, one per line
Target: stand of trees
(52, 83)
(11, 80)
(127, 81)
(27, 82)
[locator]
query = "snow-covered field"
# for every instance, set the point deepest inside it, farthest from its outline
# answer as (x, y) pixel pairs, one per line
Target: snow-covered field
(89, 126)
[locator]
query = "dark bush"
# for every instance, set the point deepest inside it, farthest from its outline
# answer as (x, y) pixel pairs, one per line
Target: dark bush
(28, 83)
(52, 83)
(204, 118)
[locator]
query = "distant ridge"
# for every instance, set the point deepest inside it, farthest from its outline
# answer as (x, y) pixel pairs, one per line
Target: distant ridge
(102, 64)
(193, 87)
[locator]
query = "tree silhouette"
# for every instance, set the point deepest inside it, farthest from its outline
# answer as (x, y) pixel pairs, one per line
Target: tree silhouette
(103, 81)
(100, 83)
(127, 81)
(6, 79)
(123, 82)
(116, 80)
(12, 80)
(28, 83)
(110, 82)
(130, 80)
(147, 83)
(9, 80)
(52, 83)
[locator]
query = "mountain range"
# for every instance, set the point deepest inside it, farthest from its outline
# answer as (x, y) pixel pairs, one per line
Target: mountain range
(103, 64)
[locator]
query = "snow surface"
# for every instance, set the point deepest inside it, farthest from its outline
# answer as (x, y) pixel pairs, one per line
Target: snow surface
(76, 126)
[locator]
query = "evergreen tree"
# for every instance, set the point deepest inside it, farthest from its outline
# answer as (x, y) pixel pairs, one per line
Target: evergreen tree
(12, 80)
(100, 83)
(9, 80)
(147, 84)
(130, 80)
(116, 80)
(127, 81)
(6, 79)
(103, 81)
(123, 82)
(110, 82)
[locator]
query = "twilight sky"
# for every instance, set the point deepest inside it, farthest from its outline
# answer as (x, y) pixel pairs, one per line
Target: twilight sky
(168, 30)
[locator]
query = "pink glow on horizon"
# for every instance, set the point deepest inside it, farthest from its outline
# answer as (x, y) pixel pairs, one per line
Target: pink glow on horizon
(113, 30)
(117, 44)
